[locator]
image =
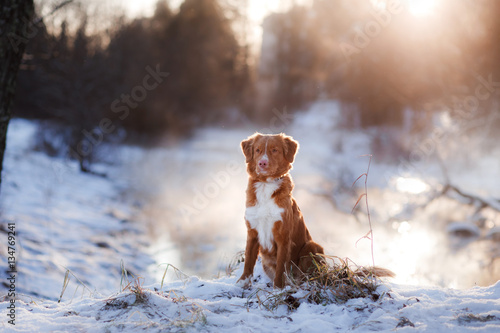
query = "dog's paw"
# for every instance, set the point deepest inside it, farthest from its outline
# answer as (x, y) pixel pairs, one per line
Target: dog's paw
(244, 283)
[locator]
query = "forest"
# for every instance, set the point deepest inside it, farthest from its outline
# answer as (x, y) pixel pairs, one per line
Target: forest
(376, 59)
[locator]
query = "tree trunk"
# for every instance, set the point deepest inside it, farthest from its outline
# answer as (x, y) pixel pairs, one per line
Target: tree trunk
(15, 23)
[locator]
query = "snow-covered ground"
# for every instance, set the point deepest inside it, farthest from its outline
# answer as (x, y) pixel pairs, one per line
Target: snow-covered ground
(66, 220)
(182, 204)
(218, 305)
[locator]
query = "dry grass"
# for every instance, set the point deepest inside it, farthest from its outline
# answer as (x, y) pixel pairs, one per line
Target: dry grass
(333, 280)
(235, 262)
(136, 288)
(66, 281)
(338, 280)
(180, 274)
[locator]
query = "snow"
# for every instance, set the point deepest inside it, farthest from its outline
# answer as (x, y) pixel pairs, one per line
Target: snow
(65, 219)
(89, 226)
(218, 305)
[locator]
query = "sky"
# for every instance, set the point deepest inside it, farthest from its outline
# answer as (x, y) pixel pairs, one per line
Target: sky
(258, 9)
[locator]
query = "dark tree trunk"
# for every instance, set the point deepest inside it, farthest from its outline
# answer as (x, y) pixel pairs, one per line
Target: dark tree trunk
(15, 23)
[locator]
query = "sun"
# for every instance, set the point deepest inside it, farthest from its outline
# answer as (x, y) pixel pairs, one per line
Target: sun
(420, 8)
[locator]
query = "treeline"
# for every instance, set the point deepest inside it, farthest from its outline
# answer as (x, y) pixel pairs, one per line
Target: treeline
(179, 70)
(169, 72)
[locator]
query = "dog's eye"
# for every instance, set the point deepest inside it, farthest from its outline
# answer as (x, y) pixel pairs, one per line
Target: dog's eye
(275, 150)
(257, 150)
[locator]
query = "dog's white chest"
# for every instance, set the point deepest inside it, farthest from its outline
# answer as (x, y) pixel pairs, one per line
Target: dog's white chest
(265, 212)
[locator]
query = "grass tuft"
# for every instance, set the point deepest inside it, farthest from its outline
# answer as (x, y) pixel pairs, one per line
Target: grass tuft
(180, 274)
(333, 280)
(136, 288)
(337, 280)
(67, 279)
(235, 262)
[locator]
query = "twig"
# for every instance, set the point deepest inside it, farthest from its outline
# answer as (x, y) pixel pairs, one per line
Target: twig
(55, 9)
(369, 234)
(448, 188)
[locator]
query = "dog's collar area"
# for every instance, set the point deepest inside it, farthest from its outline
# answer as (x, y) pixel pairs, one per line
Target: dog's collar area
(274, 180)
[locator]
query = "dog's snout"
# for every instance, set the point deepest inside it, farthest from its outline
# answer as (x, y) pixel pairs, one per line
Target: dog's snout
(263, 163)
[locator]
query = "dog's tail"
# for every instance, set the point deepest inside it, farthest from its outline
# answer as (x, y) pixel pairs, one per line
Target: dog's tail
(375, 271)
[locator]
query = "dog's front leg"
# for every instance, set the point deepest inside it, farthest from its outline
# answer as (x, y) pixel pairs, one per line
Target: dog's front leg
(282, 239)
(251, 252)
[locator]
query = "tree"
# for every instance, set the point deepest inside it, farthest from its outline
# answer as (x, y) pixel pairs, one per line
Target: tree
(15, 21)
(201, 56)
(297, 59)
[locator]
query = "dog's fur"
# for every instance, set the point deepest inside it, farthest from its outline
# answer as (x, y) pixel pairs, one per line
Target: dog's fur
(275, 226)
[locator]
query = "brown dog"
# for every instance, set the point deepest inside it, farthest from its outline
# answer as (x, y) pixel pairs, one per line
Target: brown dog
(274, 222)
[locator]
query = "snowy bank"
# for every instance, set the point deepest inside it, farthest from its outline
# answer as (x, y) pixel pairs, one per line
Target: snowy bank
(65, 220)
(196, 305)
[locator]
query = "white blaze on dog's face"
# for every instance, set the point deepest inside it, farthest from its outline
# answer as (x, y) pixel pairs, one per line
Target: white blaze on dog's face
(269, 156)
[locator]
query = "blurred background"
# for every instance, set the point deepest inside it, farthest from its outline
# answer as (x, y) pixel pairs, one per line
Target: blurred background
(156, 95)
(240, 59)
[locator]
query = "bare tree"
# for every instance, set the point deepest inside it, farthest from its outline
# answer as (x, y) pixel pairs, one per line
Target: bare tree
(15, 20)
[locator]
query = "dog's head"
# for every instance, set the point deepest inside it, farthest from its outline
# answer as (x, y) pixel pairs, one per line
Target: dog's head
(269, 156)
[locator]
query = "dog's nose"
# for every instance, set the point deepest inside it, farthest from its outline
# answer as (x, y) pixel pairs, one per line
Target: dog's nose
(263, 163)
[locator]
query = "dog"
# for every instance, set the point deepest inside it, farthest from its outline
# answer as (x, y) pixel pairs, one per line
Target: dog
(275, 225)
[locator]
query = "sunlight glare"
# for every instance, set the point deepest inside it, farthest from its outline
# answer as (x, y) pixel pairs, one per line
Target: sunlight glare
(379, 4)
(403, 227)
(410, 185)
(409, 250)
(421, 8)
(140, 8)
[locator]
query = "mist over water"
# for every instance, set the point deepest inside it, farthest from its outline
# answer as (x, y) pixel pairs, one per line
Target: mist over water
(194, 202)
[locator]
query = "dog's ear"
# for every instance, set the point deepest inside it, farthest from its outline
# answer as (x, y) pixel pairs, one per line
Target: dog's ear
(247, 147)
(291, 147)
